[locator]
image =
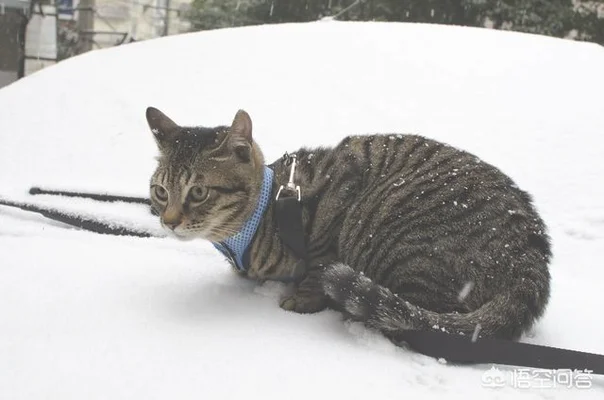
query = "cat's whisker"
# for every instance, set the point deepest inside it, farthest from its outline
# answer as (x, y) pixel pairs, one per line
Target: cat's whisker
(224, 232)
(233, 228)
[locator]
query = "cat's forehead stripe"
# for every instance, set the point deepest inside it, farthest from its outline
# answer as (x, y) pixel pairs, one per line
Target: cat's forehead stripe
(192, 178)
(162, 177)
(184, 178)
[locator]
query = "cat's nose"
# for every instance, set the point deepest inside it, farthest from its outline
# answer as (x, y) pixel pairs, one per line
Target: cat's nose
(172, 224)
(172, 218)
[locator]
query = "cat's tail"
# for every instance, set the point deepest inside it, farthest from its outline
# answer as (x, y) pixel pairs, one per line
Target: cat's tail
(505, 316)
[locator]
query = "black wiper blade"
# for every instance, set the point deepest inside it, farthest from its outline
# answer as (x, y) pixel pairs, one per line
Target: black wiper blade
(79, 221)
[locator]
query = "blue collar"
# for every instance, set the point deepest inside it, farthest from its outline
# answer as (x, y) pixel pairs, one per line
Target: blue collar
(235, 247)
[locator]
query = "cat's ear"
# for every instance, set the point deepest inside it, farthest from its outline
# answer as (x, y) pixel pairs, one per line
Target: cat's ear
(163, 128)
(240, 135)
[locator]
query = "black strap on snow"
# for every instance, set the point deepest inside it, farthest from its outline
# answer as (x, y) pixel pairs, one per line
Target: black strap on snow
(78, 221)
(463, 350)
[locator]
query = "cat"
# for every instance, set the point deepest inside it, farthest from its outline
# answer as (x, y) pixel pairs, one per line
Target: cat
(404, 232)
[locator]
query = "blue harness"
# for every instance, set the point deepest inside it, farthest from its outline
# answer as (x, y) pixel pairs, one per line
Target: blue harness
(235, 247)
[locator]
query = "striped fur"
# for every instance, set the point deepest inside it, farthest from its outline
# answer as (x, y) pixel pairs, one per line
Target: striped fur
(404, 232)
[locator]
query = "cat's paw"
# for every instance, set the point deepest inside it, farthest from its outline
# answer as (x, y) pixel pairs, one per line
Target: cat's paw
(304, 304)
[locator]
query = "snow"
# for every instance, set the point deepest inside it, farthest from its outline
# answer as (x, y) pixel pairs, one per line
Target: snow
(88, 316)
(465, 291)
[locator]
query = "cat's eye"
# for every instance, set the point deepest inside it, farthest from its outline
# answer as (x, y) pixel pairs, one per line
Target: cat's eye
(198, 194)
(160, 193)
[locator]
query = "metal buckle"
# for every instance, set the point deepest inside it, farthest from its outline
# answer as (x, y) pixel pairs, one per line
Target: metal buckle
(291, 186)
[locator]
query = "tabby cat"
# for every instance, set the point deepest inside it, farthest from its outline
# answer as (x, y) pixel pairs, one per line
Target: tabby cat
(403, 232)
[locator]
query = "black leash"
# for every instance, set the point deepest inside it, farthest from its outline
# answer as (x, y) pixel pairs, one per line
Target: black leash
(437, 344)
(288, 209)
(463, 350)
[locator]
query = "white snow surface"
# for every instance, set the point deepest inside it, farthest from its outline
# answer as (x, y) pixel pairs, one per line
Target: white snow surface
(88, 316)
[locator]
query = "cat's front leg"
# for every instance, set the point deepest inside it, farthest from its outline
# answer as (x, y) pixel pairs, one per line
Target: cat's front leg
(309, 296)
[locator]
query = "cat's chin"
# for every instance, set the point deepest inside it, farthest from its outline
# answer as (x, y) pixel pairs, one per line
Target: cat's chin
(182, 236)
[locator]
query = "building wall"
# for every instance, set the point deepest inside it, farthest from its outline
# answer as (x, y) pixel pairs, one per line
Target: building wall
(41, 40)
(138, 19)
(7, 77)
(10, 49)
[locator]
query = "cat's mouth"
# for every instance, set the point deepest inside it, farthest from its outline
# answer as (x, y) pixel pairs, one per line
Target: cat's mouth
(189, 232)
(182, 232)
(184, 235)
